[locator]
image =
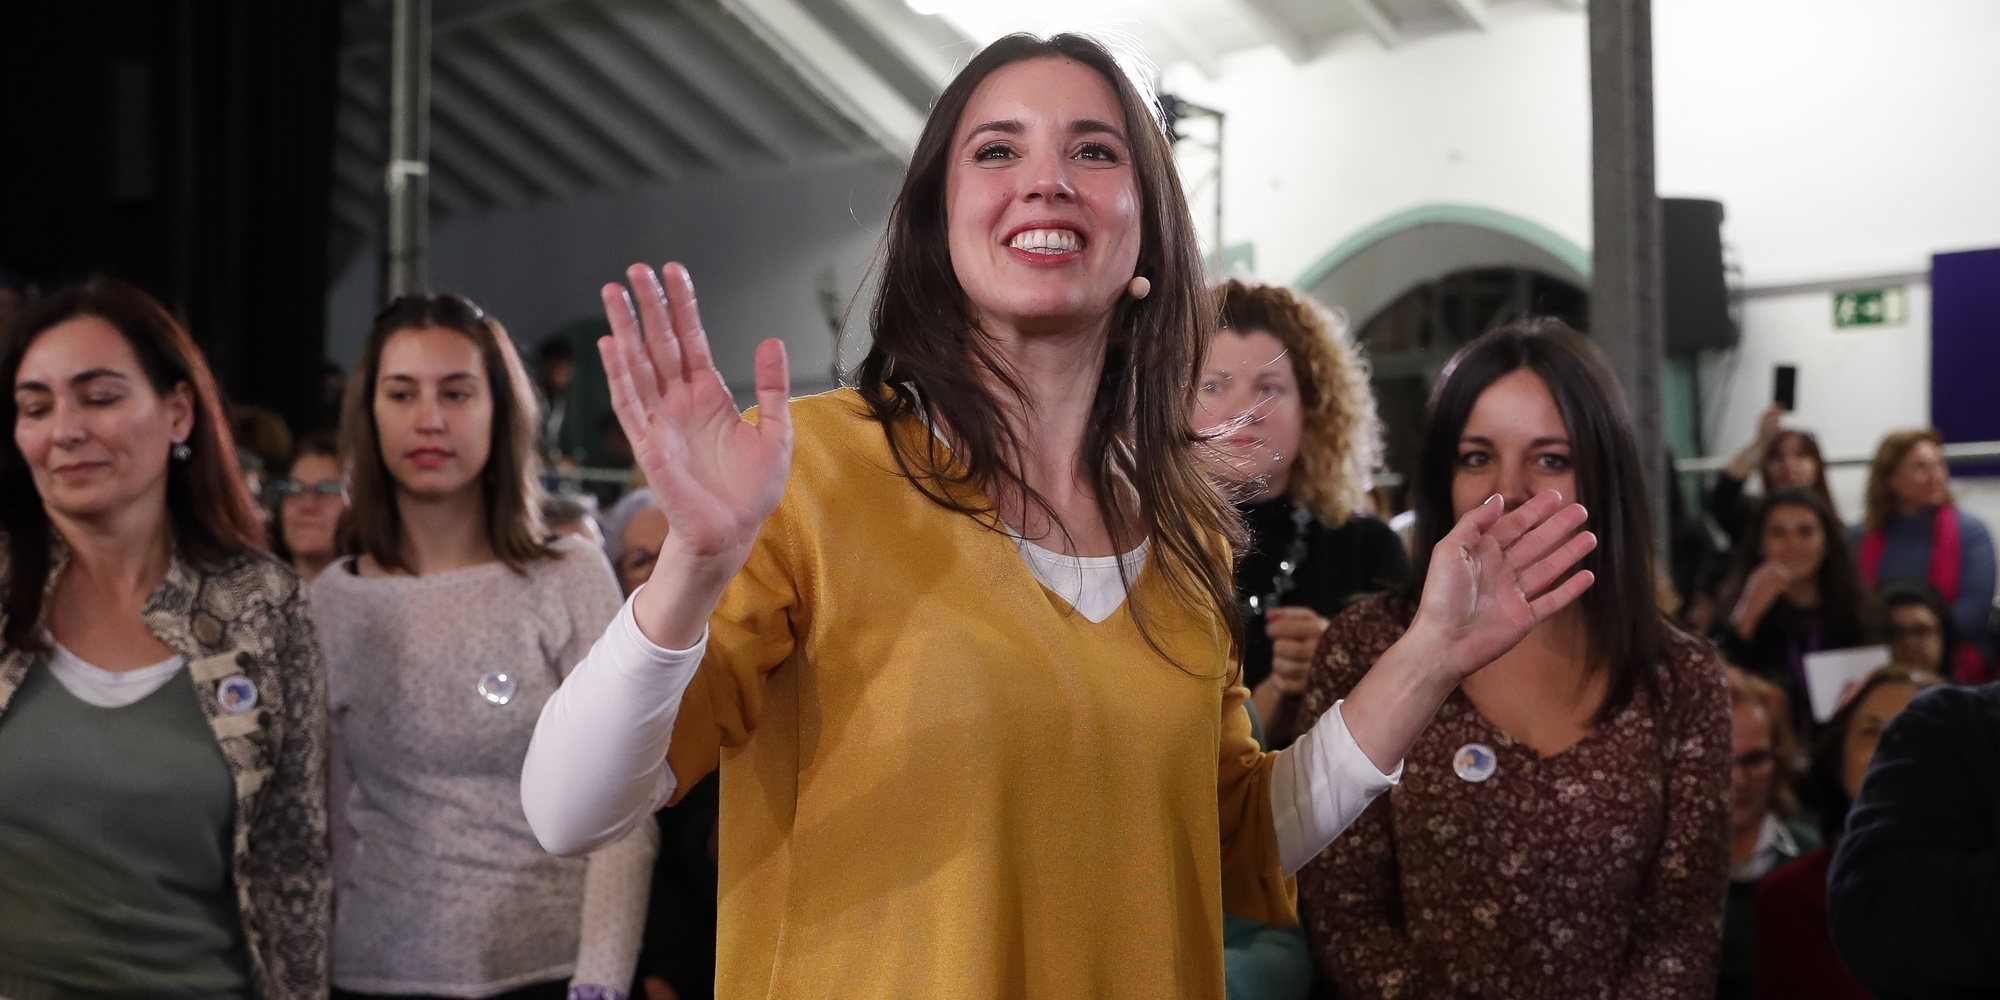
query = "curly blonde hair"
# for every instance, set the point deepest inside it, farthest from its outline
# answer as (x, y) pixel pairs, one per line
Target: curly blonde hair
(1340, 442)
(1879, 502)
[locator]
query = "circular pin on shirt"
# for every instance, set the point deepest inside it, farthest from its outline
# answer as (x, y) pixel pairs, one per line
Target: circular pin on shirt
(236, 694)
(1475, 762)
(498, 687)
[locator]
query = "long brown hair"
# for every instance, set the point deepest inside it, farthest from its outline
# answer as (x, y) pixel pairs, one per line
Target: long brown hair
(1879, 502)
(1843, 603)
(1810, 443)
(510, 483)
(1627, 634)
(1340, 442)
(209, 508)
(928, 342)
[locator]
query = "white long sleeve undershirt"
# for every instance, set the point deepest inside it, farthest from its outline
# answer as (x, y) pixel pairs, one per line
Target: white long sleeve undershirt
(598, 763)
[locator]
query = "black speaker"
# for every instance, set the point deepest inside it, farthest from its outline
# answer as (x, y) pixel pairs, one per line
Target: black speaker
(1697, 290)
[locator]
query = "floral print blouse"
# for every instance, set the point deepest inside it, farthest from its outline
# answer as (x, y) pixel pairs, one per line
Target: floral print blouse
(1495, 872)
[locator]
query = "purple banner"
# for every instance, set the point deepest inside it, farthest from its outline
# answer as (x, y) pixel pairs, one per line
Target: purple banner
(1965, 351)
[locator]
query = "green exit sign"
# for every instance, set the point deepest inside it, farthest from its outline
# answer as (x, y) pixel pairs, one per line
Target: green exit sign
(1869, 307)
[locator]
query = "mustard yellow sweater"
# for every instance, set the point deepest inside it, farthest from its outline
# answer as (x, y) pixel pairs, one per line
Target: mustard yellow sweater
(938, 780)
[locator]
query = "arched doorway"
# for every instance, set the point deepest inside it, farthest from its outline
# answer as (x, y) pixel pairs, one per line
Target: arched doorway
(1421, 283)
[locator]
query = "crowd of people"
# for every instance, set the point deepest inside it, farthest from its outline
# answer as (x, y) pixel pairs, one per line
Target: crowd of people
(1068, 652)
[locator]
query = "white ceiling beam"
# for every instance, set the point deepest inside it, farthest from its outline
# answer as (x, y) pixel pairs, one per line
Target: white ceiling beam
(688, 61)
(540, 65)
(1278, 30)
(1471, 13)
(502, 133)
(896, 25)
(841, 77)
(559, 119)
(362, 124)
(1376, 20)
(1571, 4)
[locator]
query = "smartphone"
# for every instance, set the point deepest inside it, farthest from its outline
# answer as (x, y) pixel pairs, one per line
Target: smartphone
(1785, 387)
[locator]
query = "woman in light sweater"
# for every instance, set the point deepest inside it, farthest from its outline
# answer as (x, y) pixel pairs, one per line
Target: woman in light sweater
(454, 620)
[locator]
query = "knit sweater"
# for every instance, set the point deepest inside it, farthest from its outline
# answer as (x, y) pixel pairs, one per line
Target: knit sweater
(940, 780)
(434, 683)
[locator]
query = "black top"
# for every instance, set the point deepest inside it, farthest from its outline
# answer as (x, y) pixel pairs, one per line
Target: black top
(1776, 650)
(1914, 897)
(1340, 564)
(1731, 508)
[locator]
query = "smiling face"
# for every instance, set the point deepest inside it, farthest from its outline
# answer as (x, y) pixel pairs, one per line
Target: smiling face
(1249, 395)
(95, 434)
(1514, 443)
(1794, 539)
(1042, 203)
(433, 411)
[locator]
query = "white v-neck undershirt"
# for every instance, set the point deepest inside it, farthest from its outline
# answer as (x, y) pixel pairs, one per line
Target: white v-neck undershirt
(94, 685)
(1094, 585)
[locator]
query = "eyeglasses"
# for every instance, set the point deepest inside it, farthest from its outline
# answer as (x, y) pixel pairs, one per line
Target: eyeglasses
(293, 487)
(1756, 760)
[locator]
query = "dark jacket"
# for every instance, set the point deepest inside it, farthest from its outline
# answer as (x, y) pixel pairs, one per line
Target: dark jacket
(1361, 557)
(1914, 897)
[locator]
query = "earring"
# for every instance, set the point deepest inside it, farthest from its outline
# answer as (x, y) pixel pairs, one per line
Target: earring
(1138, 287)
(181, 451)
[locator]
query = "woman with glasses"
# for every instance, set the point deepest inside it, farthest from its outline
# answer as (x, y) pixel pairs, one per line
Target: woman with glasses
(310, 501)
(1764, 825)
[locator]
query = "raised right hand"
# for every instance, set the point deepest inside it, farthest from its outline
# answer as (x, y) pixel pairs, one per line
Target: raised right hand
(717, 475)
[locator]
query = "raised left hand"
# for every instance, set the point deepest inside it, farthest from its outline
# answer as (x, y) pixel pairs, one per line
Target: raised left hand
(1497, 575)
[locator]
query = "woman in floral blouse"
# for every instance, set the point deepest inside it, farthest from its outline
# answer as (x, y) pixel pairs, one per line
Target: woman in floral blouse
(1562, 828)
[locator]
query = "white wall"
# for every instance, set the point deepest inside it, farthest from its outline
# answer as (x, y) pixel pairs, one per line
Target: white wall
(1854, 384)
(758, 246)
(1316, 153)
(1846, 138)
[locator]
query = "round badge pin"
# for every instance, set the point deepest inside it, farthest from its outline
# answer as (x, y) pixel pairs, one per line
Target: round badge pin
(1475, 762)
(236, 694)
(498, 687)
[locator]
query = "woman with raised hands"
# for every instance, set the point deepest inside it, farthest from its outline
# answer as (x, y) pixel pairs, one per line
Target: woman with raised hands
(960, 637)
(1562, 829)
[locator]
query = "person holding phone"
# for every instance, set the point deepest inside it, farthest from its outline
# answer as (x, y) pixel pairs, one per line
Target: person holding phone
(1785, 457)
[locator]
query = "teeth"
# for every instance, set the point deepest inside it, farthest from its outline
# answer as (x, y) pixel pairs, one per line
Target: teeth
(1047, 241)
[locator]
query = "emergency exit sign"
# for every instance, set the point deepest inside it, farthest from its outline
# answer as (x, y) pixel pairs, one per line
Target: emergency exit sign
(1868, 307)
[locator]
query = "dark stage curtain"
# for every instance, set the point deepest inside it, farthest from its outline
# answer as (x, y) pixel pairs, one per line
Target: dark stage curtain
(187, 146)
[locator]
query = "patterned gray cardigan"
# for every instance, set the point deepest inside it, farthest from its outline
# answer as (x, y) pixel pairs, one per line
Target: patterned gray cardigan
(248, 617)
